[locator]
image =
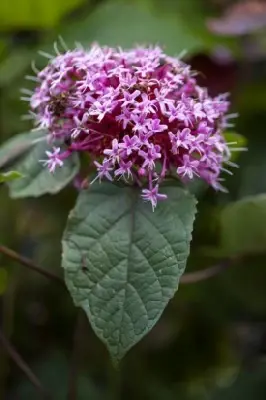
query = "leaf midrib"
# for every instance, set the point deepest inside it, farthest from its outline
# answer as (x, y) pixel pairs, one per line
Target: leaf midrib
(133, 202)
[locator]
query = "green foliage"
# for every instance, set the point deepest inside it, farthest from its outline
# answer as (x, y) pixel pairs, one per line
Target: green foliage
(34, 14)
(114, 23)
(28, 149)
(245, 285)
(17, 146)
(207, 321)
(13, 66)
(123, 262)
(10, 176)
(251, 175)
(56, 378)
(248, 385)
(190, 21)
(243, 226)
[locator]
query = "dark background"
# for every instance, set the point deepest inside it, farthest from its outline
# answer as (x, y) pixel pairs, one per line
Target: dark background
(211, 341)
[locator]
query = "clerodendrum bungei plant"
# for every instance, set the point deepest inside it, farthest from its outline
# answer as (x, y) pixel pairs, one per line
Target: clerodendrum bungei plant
(130, 129)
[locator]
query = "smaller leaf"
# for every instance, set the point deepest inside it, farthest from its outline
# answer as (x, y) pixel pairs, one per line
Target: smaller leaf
(243, 226)
(10, 176)
(38, 179)
(23, 153)
(18, 145)
(237, 142)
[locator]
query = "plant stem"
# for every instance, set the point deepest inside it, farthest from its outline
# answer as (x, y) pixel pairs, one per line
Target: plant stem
(30, 264)
(7, 313)
(191, 277)
(114, 384)
(198, 276)
(74, 366)
(11, 351)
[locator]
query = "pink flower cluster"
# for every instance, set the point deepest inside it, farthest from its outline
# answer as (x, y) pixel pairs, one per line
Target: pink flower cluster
(139, 114)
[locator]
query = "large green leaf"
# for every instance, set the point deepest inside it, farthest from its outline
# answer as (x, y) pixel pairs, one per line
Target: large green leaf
(243, 226)
(123, 262)
(23, 153)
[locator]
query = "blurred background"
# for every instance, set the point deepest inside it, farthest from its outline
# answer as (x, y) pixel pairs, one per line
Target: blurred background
(211, 341)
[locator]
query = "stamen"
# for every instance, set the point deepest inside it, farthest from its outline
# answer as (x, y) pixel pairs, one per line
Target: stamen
(46, 55)
(63, 43)
(33, 67)
(57, 52)
(26, 91)
(239, 149)
(32, 78)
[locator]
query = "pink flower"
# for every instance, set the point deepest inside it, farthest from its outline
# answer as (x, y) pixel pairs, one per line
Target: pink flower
(150, 156)
(180, 139)
(129, 99)
(53, 160)
(153, 196)
(124, 170)
(130, 144)
(103, 171)
(156, 126)
(135, 112)
(113, 153)
(188, 168)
